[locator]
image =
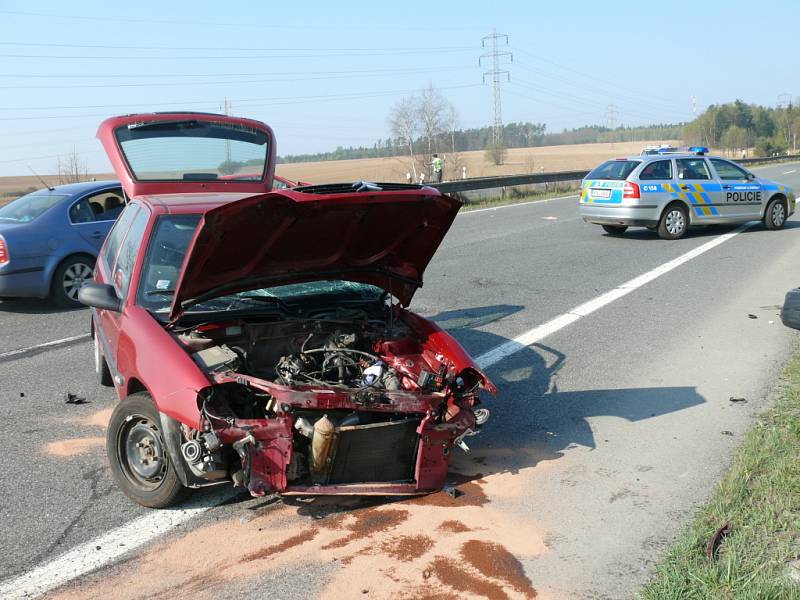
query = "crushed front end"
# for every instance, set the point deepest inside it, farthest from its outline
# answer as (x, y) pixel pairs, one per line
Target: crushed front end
(334, 404)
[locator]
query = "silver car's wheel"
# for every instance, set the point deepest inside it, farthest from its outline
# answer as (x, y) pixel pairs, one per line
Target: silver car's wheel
(68, 279)
(775, 215)
(673, 223)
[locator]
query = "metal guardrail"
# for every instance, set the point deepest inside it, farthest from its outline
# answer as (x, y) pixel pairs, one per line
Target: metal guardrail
(484, 183)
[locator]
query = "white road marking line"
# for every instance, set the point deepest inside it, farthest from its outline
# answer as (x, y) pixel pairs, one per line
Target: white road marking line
(86, 558)
(792, 171)
(45, 345)
(536, 334)
(543, 201)
(550, 218)
(113, 545)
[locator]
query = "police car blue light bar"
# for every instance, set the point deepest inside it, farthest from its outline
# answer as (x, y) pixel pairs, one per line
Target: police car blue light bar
(698, 150)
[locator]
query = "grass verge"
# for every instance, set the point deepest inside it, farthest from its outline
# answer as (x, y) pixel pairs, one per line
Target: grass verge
(514, 199)
(760, 498)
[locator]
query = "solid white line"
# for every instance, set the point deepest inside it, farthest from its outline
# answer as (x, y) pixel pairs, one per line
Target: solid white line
(118, 542)
(113, 545)
(542, 201)
(568, 318)
(792, 171)
(45, 345)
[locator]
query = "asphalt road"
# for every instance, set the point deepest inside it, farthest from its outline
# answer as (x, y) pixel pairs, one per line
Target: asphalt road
(606, 432)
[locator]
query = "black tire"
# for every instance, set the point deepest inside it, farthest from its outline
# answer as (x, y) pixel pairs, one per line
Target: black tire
(674, 222)
(614, 229)
(775, 215)
(68, 278)
(151, 483)
(101, 369)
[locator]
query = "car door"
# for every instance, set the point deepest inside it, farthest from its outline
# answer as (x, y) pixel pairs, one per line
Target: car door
(115, 267)
(93, 216)
(696, 187)
(740, 196)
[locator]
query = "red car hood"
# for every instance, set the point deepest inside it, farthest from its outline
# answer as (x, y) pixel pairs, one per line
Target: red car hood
(383, 238)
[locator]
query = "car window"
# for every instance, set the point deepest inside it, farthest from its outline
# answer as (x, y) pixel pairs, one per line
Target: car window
(162, 264)
(114, 239)
(692, 168)
(102, 206)
(128, 251)
(727, 170)
(658, 169)
(614, 169)
(29, 207)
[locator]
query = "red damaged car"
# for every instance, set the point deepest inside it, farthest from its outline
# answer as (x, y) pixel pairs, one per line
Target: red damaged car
(261, 337)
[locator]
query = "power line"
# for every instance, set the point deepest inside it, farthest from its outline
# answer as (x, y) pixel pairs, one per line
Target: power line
(361, 74)
(496, 72)
(232, 48)
(276, 101)
(259, 25)
(368, 53)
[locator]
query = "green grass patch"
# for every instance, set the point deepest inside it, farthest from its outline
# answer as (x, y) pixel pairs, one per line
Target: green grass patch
(515, 198)
(760, 498)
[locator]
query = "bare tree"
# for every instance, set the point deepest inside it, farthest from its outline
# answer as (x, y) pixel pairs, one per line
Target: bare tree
(404, 123)
(433, 112)
(72, 168)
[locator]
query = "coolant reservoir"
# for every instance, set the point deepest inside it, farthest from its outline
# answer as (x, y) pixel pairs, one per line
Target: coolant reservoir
(321, 445)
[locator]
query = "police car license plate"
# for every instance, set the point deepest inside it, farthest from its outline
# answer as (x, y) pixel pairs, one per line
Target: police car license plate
(601, 193)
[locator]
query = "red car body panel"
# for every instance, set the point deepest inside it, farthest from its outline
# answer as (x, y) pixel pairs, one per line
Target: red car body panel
(385, 239)
(248, 236)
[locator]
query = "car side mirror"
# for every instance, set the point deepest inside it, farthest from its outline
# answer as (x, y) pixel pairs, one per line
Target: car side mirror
(750, 177)
(100, 295)
(790, 313)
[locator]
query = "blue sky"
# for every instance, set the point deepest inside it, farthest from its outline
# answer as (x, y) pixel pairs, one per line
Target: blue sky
(325, 74)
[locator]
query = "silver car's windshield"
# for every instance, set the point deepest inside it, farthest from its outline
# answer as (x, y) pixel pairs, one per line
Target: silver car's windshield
(29, 207)
(616, 170)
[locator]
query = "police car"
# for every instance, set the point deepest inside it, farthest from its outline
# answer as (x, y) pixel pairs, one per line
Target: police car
(669, 191)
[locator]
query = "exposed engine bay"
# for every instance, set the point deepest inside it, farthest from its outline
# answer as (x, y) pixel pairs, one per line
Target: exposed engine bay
(339, 401)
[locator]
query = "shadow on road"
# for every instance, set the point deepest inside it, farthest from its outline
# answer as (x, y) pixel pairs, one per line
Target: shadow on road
(532, 420)
(699, 231)
(34, 306)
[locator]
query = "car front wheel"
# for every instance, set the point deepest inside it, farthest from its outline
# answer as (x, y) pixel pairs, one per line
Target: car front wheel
(138, 454)
(68, 279)
(673, 222)
(775, 215)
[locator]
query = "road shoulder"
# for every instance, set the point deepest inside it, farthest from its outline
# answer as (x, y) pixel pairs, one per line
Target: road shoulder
(743, 542)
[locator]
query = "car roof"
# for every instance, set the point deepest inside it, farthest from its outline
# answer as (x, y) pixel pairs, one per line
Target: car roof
(84, 186)
(189, 203)
(666, 155)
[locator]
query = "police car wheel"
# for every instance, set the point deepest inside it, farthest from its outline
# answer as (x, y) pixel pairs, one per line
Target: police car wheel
(775, 215)
(673, 223)
(614, 229)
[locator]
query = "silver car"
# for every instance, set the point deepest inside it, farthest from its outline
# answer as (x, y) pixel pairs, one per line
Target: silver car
(668, 192)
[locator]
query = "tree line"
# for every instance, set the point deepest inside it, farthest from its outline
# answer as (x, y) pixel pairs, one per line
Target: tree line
(738, 126)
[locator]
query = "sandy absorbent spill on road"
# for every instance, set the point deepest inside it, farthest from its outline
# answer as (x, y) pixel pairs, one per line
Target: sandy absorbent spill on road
(74, 446)
(432, 546)
(98, 419)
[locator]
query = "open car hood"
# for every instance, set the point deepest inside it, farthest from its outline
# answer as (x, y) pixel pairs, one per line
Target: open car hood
(382, 238)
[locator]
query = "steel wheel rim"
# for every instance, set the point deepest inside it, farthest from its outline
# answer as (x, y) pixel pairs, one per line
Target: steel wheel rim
(74, 277)
(140, 452)
(675, 222)
(778, 214)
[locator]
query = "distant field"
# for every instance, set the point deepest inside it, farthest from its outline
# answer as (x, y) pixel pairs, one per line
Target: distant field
(518, 160)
